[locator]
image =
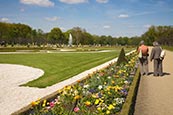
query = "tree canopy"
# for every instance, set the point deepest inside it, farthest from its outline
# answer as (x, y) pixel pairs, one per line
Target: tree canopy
(24, 34)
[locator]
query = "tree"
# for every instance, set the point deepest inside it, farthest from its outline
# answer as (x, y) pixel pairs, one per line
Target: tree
(56, 36)
(162, 34)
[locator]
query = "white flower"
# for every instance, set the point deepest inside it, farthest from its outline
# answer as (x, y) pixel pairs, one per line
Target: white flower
(86, 86)
(126, 82)
(100, 87)
(119, 100)
(75, 92)
(109, 77)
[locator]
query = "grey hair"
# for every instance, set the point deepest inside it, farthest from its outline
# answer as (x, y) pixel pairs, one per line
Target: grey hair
(142, 42)
(155, 43)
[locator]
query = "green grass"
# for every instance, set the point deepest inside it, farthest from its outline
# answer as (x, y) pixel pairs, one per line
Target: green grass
(58, 66)
(168, 48)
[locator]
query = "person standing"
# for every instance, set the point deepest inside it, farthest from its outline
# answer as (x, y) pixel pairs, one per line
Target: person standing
(155, 55)
(143, 60)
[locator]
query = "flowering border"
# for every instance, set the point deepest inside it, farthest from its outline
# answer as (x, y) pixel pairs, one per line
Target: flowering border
(103, 92)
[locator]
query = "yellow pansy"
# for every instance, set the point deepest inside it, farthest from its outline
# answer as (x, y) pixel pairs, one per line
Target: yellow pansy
(99, 109)
(43, 105)
(110, 107)
(33, 103)
(108, 112)
(87, 103)
(77, 97)
(96, 102)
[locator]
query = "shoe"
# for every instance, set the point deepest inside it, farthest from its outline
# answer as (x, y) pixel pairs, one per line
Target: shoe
(161, 75)
(147, 74)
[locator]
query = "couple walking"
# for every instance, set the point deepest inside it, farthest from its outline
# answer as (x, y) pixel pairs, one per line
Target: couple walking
(155, 55)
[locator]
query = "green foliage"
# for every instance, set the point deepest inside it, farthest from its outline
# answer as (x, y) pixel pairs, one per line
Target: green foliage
(122, 57)
(168, 47)
(56, 36)
(23, 34)
(162, 34)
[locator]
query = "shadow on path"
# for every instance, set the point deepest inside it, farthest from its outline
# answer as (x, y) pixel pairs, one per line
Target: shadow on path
(164, 74)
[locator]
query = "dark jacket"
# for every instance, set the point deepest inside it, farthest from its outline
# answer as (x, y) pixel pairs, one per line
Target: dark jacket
(155, 53)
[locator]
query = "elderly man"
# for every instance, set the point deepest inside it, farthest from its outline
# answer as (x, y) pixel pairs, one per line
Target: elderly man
(155, 55)
(143, 61)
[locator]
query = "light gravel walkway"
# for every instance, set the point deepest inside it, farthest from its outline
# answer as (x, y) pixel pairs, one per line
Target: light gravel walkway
(155, 94)
(13, 97)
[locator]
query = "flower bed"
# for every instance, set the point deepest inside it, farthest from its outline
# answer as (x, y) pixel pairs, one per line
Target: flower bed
(103, 92)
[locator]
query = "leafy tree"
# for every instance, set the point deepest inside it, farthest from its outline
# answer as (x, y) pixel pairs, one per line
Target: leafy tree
(56, 36)
(162, 34)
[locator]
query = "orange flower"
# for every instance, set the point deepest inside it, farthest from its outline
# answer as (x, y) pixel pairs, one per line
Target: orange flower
(33, 103)
(87, 103)
(116, 76)
(113, 82)
(77, 97)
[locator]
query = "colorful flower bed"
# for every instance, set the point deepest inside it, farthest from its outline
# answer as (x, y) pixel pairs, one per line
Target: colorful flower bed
(102, 92)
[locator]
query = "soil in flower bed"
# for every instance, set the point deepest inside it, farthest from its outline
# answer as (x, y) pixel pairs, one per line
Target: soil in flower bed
(102, 92)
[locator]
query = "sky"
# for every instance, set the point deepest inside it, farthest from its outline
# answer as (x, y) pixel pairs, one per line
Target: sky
(98, 17)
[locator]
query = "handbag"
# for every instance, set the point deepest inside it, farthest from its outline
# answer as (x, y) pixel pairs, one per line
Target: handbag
(162, 54)
(140, 54)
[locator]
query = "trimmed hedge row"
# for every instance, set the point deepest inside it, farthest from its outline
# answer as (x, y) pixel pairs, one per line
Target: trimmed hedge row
(128, 107)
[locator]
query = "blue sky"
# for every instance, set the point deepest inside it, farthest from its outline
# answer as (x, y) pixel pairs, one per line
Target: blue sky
(100, 17)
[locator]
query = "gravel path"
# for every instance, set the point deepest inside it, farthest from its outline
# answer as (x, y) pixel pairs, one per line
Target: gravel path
(155, 94)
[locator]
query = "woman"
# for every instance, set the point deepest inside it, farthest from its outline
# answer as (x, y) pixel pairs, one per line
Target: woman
(143, 60)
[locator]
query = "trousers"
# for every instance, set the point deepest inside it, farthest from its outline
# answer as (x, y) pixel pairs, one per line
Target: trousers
(143, 65)
(158, 68)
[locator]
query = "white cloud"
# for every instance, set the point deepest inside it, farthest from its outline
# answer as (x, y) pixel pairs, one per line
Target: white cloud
(102, 1)
(52, 19)
(147, 26)
(63, 29)
(106, 27)
(22, 9)
(4, 20)
(123, 16)
(144, 13)
(73, 1)
(44, 3)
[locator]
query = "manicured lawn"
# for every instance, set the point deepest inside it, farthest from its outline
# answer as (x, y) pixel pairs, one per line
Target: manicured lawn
(168, 48)
(58, 66)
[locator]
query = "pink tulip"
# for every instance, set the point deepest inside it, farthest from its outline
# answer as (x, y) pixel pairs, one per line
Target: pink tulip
(76, 109)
